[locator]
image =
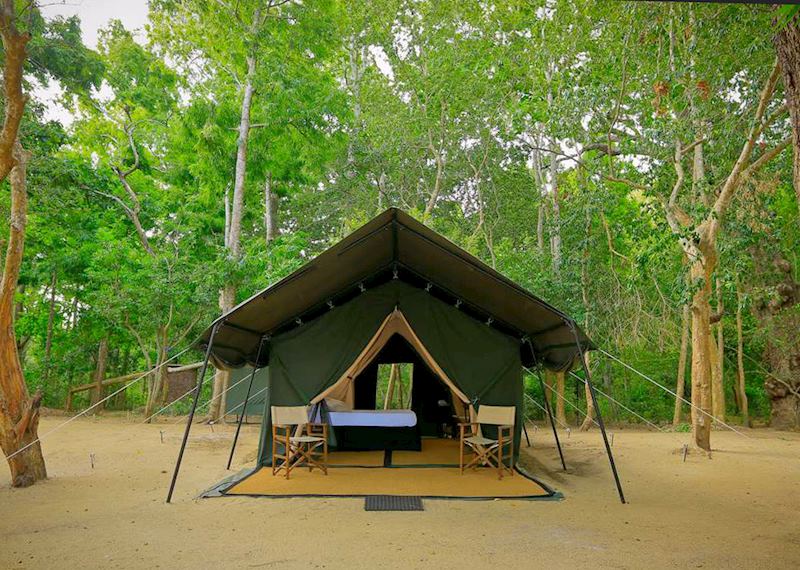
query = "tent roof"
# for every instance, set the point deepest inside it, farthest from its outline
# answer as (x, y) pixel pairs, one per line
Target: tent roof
(394, 245)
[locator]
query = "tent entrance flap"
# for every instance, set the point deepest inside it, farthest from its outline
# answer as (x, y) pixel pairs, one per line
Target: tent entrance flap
(394, 324)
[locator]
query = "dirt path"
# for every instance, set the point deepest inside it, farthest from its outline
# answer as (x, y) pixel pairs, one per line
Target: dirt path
(740, 509)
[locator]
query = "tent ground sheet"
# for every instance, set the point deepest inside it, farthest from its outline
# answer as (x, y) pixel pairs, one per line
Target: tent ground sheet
(431, 473)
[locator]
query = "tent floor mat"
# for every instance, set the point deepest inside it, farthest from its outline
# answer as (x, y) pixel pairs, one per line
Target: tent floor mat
(435, 452)
(392, 503)
(425, 482)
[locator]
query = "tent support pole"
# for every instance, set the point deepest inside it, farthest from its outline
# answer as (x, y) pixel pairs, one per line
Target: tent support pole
(244, 405)
(525, 431)
(600, 421)
(550, 417)
(190, 419)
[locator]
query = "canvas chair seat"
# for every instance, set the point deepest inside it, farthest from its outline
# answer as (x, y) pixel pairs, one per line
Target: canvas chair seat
(480, 440)
(305, 439)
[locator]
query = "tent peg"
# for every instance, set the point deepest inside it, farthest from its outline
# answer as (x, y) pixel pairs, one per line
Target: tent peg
(330, 304)
(489, 321)
(428, 287)
(298, 321)
(458, 303)
(395, 273)
(362, 288)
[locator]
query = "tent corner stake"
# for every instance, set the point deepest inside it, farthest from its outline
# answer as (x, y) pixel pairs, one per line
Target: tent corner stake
(189, 420)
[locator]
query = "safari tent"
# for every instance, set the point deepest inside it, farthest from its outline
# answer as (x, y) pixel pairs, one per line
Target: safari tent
(392, 291)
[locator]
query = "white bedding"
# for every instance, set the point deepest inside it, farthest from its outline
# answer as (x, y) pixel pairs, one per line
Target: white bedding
(373, 418)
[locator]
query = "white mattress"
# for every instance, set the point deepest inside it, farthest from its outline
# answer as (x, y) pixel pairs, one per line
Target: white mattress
(374, 418)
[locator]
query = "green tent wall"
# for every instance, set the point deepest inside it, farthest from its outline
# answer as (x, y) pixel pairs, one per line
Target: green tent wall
(240, 380)
(484, 363)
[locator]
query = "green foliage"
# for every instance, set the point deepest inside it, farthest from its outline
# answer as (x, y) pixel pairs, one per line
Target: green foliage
(463, 114)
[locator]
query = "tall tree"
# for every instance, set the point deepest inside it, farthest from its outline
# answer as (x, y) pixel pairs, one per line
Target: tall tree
(24, 32)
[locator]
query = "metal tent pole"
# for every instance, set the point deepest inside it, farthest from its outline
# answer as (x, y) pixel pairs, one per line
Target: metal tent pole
(525, 431)
(550, 416)
(246, 399)
(194, 408)
(600, 421)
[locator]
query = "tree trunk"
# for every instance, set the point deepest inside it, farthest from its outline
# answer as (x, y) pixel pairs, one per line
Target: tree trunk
(540, 228)
(561, 412)
(438, 156)
(237, 209)
(227, 298)
(48, 343)
(19, 413)
(19, 310)
(227, 204)
(701, 363)
(222, 378)
(787, 47)
(100, 374)
(588, 421)
(270, 210)
(555, 236)
(73, 321)
(356, 68)
(741, 394)
(122, 360)
(717, 352)
(158, 385)
(777, 313)
(14, 56)
(590, 411)
(536, 158)
(680, 382)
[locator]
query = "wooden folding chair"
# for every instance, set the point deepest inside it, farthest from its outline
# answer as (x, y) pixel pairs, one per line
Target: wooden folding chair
(303, 442)
(487, 451)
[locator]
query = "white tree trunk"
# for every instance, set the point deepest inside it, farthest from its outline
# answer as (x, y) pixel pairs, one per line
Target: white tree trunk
(227, 296)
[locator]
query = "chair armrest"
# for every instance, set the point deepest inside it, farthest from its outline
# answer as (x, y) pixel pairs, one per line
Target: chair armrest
(506, 433)
(463, 426)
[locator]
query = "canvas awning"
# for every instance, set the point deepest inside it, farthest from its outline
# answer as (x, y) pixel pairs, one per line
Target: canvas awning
(396, 246)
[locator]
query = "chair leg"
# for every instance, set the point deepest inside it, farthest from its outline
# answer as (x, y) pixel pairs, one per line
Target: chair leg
(500, 448)
(274, 459)
(289, 455)
(461, 456)
(325, 456)
(500, 463)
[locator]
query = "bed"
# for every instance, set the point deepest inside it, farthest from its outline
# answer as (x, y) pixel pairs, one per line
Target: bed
(372, 418)
(374, 430)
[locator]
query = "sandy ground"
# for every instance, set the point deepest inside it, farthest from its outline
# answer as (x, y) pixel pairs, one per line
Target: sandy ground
(739, 509)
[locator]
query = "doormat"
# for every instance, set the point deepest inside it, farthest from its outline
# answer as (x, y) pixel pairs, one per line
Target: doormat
(392, 503)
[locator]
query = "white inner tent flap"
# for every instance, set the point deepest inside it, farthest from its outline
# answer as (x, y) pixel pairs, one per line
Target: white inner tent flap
(395, 323)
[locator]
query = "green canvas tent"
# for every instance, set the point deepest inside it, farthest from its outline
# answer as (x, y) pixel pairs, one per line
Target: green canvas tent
(392, 291)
